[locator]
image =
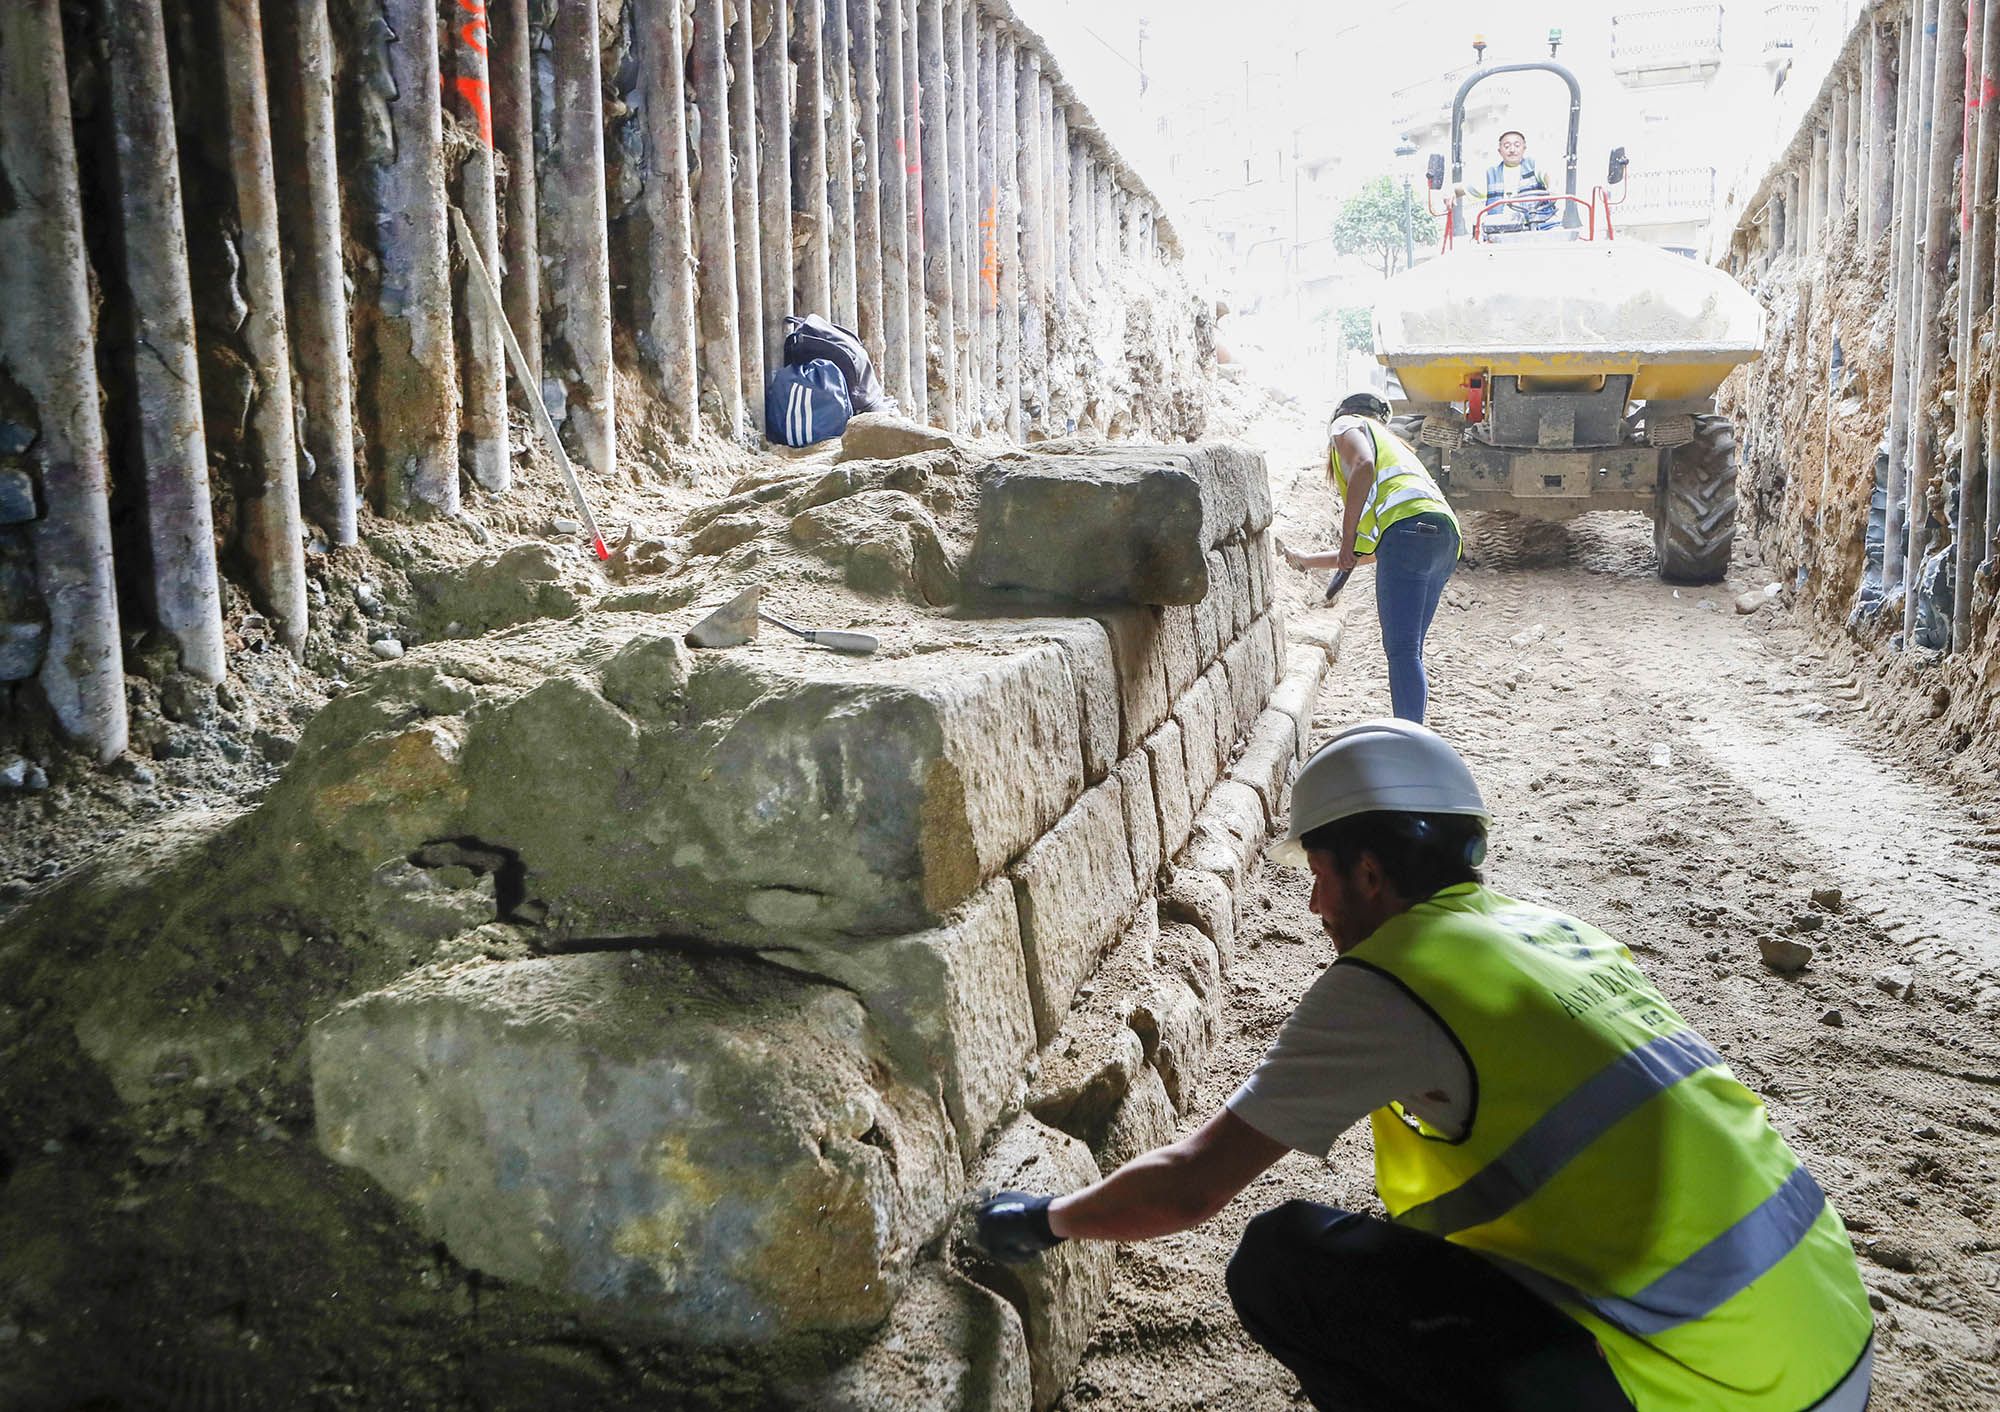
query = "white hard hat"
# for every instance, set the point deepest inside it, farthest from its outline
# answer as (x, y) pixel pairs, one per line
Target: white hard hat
(1391, 765)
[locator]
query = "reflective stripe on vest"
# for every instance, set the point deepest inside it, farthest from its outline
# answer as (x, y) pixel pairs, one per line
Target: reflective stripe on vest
(1612, 1163)
(1400, 480)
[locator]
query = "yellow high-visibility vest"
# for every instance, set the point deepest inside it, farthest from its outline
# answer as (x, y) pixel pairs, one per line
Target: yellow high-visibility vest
(1614, 1165)
(1402, 487)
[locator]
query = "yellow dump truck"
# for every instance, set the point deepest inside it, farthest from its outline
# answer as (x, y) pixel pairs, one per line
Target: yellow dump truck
(1556, 370)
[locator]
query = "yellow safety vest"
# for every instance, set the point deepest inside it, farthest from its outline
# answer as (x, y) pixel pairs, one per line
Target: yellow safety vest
(1614, 1164)
(1402, 488)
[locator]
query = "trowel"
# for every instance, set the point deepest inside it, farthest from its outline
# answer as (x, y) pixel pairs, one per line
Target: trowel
(735, 623)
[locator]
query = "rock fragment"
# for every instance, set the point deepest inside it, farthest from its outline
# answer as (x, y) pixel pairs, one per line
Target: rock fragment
(1784, 955)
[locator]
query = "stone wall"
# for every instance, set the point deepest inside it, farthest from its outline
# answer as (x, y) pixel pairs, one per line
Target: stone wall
(825, 944)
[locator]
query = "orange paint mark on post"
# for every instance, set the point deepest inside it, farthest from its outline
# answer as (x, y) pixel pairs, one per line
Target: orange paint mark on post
(475, 93)
(989, 253)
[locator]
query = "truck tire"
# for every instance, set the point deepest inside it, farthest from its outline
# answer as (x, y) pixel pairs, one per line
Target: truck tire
(1409, 429)
(1694, 523)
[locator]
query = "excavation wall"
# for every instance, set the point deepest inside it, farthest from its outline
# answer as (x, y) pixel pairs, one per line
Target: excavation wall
(249, 292)
(1868, 425)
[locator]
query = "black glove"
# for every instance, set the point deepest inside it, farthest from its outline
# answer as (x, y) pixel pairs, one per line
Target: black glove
(1014, 1226)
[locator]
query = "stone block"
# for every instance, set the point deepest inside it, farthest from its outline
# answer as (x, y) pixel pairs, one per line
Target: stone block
(885, 542)
(1074, 892)
(1212, 615)
(1200, 900)
(715, 795)
(1180, 651)
(1178, 1031)
(883, 436)
(1143, 1121)
(949, 1346)
(1257, 553)
(952, 1007)
(1246, 467)
(1058, 1294)
(1087, 648)
(1236, 563)
(1297, 692)
(1228, 837)
(17, 498)
(1142, 818)
(1138, 653)
(1268, 758)
(1172, 800)
(21, 649)
(1318, 630)
(1206, 732)
(1095, 529)
(1086, 1073)
(495, 591)
(715, 1147)
(1251, 672)
(1280, 646)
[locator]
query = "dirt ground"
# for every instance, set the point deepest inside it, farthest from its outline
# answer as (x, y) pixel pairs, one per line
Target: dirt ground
(1568, 673)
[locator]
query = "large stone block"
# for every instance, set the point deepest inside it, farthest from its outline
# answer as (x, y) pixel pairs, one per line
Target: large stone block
(1200, 900)
(1142, 818)
(1201, 714)
(1058, 1294)
(1213, 615)
(1236, 563)
(1252, 669)
(1086, 647)
(1267, 761)
(1074, 891)
(1297, 692)
(719, 1148)
(1091, 530)
(1228, 838)
(1171, 797)
(719, 795)
(1144, 1120)
(1180, 651)
(1138, 651)
(950, 1346)
(882, 436)
(952, 1007)
(1257, 549)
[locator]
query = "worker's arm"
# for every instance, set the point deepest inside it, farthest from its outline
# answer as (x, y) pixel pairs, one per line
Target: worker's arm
(1170, 1188)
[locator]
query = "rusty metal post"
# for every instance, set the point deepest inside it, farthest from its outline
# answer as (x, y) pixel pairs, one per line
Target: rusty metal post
(744, 188)
(870, 192)
(936, 174)
(1903, 284)
(269, 524)
(483, 429)
(1947, 107)
(1006, 160)
(720, 370)
(813, 274)
(1878, 185)
(50, 361)
(1977, 426)
(772, 33)
(407, 384)
(913, 210)
(316, 290)
(183, 592)
(1059, 206)
(576, 250)
(1034, 271)
(841, 173)
(987, 345)
(896, 332)
(510, 72)
(666, 334)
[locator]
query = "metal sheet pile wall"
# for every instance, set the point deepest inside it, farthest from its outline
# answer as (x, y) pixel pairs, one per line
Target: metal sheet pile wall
(244, 302)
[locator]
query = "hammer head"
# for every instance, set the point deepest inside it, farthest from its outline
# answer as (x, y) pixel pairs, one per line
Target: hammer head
(731, 625)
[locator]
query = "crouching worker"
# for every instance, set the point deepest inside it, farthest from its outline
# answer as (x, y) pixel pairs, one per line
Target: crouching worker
(1586, 1209)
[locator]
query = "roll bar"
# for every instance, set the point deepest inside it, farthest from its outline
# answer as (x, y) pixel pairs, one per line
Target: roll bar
(1480, 75)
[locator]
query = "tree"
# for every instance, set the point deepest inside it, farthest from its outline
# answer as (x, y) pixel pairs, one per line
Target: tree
(1357, 327)
(1370, 224)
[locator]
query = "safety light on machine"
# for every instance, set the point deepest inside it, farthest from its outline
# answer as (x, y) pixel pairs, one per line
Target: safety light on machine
(1555, 40)
(1479, 47)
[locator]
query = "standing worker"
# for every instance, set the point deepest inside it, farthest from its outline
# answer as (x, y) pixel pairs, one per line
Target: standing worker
(1587, 1210)
(1392, 509)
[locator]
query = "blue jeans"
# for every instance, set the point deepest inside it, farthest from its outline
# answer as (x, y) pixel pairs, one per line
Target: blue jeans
(1413, 559)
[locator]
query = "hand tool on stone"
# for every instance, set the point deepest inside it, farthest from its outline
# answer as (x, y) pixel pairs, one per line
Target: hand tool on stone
(735, 623)
(1336, 583)
(483, 281)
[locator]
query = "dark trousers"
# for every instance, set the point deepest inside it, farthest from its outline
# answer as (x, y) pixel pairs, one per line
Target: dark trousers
(1375, 1318)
